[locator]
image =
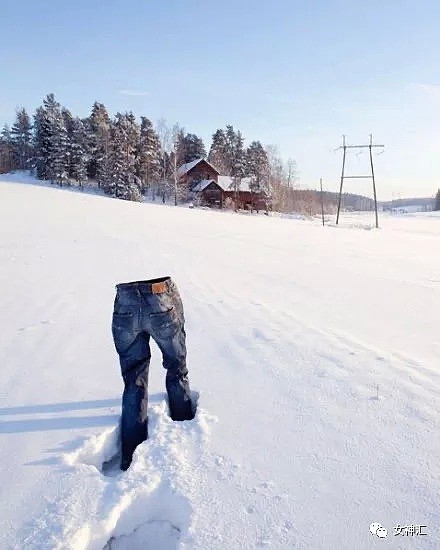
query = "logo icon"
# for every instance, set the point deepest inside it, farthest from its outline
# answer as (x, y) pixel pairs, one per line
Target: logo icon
(378, 530)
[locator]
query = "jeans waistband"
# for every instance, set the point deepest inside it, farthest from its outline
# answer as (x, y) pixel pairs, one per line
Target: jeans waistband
(151, 286)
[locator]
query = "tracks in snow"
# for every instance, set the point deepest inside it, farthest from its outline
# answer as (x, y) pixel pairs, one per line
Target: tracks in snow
(152, 501)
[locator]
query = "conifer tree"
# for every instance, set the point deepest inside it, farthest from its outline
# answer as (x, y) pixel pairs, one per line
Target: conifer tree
(8, 158)
(59, 148)
(41, 143)
(51, 142)
(179, 146)
(79, 153)
(133, 139)
(68, 124)
(21, 137)
(257, 168)
(237, 155)
(100, 137)
(67, 119)
(257, 165)
(218, 152)
(231, 140)
(123, 182)
(192, 148)
(148, 155)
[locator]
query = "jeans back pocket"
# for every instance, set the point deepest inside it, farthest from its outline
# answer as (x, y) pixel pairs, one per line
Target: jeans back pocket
(164, 324)
(123, 329)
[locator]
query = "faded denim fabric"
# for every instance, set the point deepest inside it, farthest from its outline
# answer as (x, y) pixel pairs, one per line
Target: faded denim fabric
(143, 309)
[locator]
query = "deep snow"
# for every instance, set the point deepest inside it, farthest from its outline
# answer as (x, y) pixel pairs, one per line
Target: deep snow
(291, 328)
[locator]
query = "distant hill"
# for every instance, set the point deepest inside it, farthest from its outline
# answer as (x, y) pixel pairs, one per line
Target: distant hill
(355, 202)
(424, 202)
(308, 201)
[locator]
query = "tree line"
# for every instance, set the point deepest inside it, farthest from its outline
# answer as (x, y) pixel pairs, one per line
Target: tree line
(128, 159)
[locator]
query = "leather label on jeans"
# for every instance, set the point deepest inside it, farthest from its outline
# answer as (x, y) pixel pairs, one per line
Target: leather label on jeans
(157, 288)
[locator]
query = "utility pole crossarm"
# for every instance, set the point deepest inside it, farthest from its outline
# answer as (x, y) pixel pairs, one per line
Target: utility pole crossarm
(358, 146)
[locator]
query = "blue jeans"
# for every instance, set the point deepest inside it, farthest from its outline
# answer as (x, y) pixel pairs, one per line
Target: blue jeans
(143, 309)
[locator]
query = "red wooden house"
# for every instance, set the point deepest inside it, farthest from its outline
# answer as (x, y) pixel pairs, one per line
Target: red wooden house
(196, 171)
(205, 185)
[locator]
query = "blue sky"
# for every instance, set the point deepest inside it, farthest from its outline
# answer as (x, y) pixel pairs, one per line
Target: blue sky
(297, 74)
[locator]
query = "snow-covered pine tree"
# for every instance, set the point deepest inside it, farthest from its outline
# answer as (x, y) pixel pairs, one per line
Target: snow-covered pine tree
(178, 145)
(8, 159)
(148, 155)
(22, 136)
(236, 155)
(257, 168)
(193, 148)
(133, 137)
(67, 119)
(238, 166)
(50, 141)
(218, 153)
(231, 144)
(123, 181)
(115, 184)
(79, 154)
(41, 143)
(59, 148)
(257, 164)
(100, 137)
(68, 123)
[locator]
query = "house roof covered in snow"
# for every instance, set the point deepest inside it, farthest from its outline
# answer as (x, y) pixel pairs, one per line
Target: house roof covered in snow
(227, 183)
(185, 168)
(202, 185)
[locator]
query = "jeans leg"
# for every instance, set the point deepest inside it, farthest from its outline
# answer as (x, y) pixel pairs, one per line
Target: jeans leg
(177, 384)
(165, 320)
(134, 420)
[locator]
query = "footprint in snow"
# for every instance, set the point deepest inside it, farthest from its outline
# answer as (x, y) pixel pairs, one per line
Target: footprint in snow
(149, 505)
(151, 535)
(110, 467)
(99, 450)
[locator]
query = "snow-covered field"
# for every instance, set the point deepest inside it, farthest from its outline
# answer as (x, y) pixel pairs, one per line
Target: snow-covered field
(315, 352)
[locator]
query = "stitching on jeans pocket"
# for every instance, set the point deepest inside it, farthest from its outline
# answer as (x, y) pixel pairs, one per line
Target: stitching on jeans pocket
(164, 324)
(123, 321)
